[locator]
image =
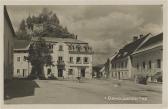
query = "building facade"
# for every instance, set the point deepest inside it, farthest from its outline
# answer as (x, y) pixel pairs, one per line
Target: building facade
(71, 58)
(9, 35)
(121, 64)
(148, 59)
(22, 68)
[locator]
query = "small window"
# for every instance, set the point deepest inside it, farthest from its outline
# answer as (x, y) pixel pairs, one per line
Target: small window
(137, 66)
(60, 58)
(143, 64)
(78, 59)
(70, 72)
(86, 59)
(150, 65)
(71, 59)
(158, 63)
(18, 59)
(18, 70)
(25, 58)
(60, 48)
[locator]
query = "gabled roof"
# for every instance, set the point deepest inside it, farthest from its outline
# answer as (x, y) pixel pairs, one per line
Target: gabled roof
(153, 40)
(6, 16)
(21, 44)
(64, 40)
(129, 48)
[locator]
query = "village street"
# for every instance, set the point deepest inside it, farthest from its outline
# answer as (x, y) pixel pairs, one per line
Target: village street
(86, 92)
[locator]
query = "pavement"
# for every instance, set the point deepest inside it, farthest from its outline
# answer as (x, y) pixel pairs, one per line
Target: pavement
(84, 92)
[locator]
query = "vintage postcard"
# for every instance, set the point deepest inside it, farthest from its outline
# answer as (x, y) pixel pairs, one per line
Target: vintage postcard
(83, 54)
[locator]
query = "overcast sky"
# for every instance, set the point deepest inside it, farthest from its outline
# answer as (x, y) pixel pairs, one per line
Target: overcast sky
(105, 28)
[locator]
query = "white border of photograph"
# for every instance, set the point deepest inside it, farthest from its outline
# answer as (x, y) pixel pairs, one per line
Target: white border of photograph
(164, 104)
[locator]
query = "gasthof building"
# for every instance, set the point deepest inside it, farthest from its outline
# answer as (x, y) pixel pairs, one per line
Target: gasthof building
(71, 58)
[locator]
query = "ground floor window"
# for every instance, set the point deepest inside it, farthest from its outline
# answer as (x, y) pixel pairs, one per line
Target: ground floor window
(70, 72)
(83, 72)
(18, 70)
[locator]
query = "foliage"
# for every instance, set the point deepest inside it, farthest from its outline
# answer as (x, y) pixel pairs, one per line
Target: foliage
(50, 22)
(39, 56)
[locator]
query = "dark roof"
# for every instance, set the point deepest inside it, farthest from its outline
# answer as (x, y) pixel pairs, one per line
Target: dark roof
(153, 40)
(129, 48)
(65, 40)
(21, 44)
(9, 21)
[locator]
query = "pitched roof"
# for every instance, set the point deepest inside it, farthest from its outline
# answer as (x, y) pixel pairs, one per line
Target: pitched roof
(64, 40)
(21, 44)
(129, 48)
(153, 40)
(6, 15)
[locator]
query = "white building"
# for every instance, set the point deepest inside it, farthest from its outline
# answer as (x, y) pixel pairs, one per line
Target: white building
(148, 59)
(22, 68)
(121, 64)
(71, 58)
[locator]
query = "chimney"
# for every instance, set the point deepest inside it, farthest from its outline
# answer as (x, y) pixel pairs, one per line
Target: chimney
(135, 38)
(141, 35)
(76, 37)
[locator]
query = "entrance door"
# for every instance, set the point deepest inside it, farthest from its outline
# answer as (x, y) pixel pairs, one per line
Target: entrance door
(60, 72)
(83, 72)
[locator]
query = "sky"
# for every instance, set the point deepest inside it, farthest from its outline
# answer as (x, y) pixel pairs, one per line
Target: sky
(106, 28)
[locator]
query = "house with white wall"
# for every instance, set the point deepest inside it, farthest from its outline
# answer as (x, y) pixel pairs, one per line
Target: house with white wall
(148, 59)
(121, 64)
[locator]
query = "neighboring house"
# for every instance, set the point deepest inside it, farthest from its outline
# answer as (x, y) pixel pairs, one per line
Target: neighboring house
(96, 71)
(148, 58)
(121, 64)
(22, 68)
(9, 34)
(72, 58)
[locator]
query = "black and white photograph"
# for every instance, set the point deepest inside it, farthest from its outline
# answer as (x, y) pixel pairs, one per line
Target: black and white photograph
(83, 54)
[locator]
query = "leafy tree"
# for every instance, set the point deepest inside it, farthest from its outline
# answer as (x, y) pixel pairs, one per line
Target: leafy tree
(39, 56)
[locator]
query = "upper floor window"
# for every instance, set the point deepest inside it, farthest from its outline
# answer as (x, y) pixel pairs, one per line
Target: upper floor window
(158, 63)
(18, 59)
(137, 66)
(25, 58)
(60, 58)
(60, 48)
(71, 59)
(86, 60)
(150, 65)
(143, 64)
(78, 60)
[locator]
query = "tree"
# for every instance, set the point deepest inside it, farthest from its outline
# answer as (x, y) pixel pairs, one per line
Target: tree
(39, 56)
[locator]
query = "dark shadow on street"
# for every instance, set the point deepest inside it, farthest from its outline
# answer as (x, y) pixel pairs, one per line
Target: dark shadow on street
(19, 88)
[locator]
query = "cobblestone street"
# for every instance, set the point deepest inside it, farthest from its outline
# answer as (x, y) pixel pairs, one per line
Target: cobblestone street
(88, 91)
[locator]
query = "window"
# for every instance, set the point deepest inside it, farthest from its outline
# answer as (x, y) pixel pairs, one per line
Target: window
(18, 70)
(24, 71)
(78, 60)
(137, 66)
(150, 66)
(158, 63)
(25, 58)
(143, 64)
(60, 58)
(60, 48)
(85, 59)
(71, 59)
(18, 59)
(70, 72)
(122, 65)
(48, 71)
